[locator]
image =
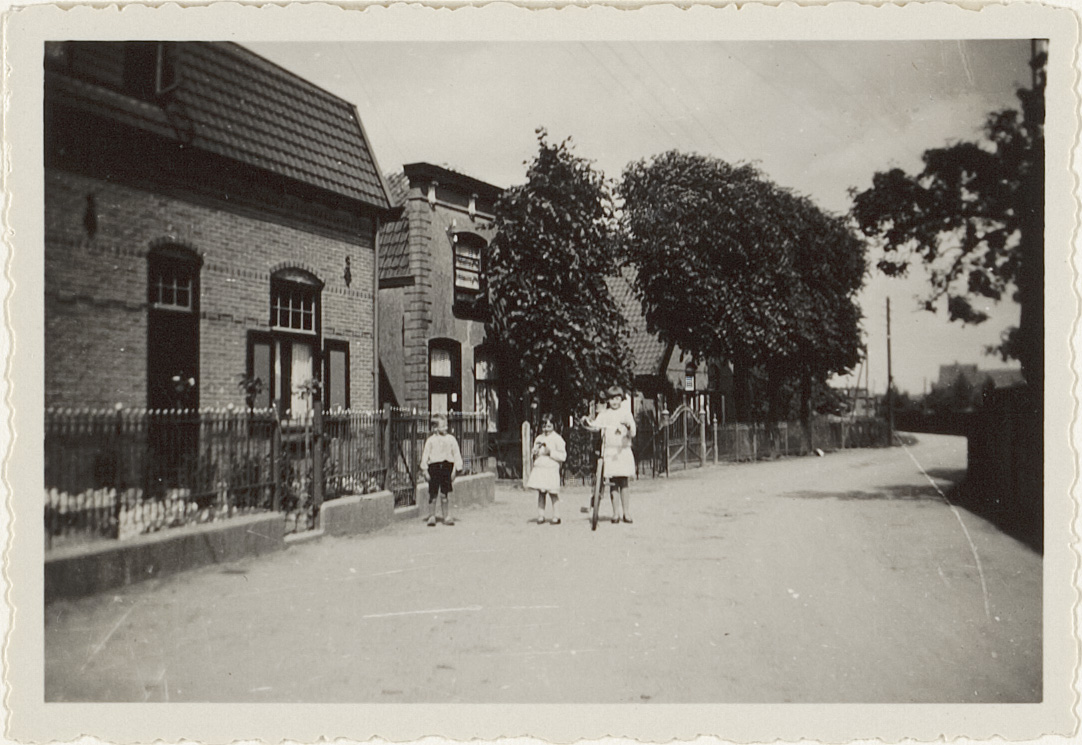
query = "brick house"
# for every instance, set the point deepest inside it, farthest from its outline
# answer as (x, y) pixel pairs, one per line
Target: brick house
(433, 347)
(208, 216)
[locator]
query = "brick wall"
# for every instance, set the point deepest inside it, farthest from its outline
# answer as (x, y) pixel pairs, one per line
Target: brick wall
(95, 290)
(427, 304)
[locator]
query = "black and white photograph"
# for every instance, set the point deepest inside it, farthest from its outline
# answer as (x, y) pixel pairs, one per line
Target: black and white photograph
(650, 365)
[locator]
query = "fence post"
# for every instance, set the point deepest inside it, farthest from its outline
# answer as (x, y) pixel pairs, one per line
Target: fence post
(527, 447)
(702, 440)
(652, 422)
(276, 459)
(223, 485)
(413, 466)
(119, 502)
(717, 445)
(317, 456)
(665, 437)
(385, 451)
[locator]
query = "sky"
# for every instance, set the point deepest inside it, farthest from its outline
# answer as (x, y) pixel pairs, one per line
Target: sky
(818, 117)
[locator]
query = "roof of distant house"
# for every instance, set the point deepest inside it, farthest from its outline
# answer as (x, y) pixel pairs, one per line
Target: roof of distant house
(231, 102)
(648, 350)
(1006, 377)
(449, 178)
(1001, 378)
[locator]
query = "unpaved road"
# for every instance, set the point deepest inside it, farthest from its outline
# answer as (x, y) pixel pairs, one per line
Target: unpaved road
(839, 579)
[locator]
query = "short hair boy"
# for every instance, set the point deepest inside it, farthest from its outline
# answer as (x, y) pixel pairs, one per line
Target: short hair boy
(441, 459)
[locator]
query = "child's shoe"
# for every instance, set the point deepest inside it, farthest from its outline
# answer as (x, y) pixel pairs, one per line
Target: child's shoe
(448, 520)
(431, 521)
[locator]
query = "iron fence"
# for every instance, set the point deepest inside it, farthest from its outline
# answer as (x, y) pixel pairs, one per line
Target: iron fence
(115, 474)
(686, 440)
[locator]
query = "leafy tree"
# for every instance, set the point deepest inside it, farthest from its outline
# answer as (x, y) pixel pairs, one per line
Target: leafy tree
(825, 330)
(732, 266)
(974, 217)
(561, 336)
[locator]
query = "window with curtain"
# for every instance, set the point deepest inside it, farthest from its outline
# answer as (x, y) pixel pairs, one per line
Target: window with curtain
(287, 361)
(444, 384)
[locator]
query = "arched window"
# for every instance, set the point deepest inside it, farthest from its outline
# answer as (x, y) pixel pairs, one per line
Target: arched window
(286, 361)
(173, 327)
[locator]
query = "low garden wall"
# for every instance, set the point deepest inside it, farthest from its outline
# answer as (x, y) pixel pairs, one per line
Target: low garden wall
(91, 568)
(86, 569)
(474, 490)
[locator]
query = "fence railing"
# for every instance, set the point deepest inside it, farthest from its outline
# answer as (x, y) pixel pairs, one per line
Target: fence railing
(684, 439)
(115, 474)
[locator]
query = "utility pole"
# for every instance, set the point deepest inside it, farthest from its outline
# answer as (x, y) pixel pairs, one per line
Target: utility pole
(890, 385)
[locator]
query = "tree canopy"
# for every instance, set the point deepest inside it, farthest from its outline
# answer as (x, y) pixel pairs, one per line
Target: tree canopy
(732, 266)
(973, 217)
(560, 334)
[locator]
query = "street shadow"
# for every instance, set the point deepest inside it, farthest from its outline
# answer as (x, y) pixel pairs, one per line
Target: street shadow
(902, 492)
(1010, 519)
(953, 475)
(1021, 522)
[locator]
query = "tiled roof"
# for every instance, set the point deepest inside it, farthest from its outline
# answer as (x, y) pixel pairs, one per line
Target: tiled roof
(648, 350)
(394, 260)
(234, 103)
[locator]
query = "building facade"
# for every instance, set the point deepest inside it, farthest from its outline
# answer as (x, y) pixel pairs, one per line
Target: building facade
(434, 352)
(211, 226)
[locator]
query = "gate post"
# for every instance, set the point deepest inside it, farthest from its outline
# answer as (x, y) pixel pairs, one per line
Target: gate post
(702, 440)
(385, 451)
(716, 444)
(527, 450)
(684, 432)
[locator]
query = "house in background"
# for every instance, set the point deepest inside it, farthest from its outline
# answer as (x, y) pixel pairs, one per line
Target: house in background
(977, 378)
(434, 353)
(664, 376)
(208, 216)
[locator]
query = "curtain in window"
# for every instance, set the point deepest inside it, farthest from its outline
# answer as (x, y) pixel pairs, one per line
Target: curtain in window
(300, 374)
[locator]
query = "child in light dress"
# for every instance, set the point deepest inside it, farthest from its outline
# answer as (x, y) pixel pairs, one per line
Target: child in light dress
(619, 429)
(549, 451)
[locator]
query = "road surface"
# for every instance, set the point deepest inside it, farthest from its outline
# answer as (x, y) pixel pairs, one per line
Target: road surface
(846, 578)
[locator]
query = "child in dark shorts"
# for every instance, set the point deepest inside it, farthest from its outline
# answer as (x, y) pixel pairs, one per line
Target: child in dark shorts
(441, 459)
